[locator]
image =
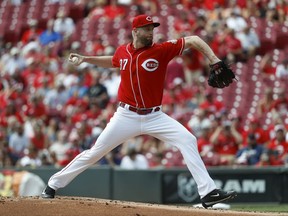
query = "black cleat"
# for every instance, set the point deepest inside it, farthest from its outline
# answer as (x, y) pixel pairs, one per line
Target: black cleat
(217, 196)
(48, 193)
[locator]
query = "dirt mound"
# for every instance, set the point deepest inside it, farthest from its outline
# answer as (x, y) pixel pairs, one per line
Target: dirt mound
(75, 206)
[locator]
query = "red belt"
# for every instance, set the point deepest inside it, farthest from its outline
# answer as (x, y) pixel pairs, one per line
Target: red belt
(140, 111)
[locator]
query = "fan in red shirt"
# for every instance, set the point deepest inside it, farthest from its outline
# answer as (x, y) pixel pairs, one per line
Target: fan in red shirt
(266, 66)
(39, 139)
(44, 76)
(193, 66)
(32, 32)
(10, 113)
(212, 4)
(278, 147)
(254, 127)
(226, 141)
(211, 104)
(233, 46)
(32, 70)
(280, 105)
(35, 108)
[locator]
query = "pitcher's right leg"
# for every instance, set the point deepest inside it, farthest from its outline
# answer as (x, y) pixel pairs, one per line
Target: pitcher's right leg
(119, 129)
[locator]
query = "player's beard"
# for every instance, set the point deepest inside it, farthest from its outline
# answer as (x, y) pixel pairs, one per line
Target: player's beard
(146, 41)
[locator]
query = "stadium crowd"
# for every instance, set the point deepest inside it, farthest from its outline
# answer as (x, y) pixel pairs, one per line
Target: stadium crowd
(50, 110)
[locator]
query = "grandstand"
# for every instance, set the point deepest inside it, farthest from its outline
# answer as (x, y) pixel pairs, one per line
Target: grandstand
(94, 22)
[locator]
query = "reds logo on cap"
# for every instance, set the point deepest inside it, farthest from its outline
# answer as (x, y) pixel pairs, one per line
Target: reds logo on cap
(143, 20)
(148, 18)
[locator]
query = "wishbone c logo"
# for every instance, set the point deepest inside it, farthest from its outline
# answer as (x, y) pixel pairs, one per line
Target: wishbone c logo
(150, 65)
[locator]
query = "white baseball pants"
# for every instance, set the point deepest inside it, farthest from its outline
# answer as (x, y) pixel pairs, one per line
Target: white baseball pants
(126, 124)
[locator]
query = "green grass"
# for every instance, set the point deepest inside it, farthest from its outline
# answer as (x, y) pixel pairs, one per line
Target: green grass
(281, 208)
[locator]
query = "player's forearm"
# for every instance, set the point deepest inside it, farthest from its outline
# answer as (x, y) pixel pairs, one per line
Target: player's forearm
(200, 45)
(101, 61)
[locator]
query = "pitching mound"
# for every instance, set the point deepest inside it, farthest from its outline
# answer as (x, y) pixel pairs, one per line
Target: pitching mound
(71, 206)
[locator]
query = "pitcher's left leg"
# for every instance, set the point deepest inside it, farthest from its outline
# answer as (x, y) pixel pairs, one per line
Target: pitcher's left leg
(172, 132)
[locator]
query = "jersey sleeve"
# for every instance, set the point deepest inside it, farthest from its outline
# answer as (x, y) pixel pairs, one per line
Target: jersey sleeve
(115, 58)
(173, 48)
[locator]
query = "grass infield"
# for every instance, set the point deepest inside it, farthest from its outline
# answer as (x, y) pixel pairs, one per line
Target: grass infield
(281, 208)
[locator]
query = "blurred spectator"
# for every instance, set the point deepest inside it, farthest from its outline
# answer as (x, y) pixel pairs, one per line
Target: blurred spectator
(16, 2)
(197, 120)
(18, 143)
(251, 154)
(282, 70)
(280, 105)
(114, 10)
(174, 70)
(183, 23)
(32, 33)
(236, 22)
(113, 158)
(44, 77)
(205, 147)
(49, 35)
(227, 45)
(266, 102)
(233, 46)
(133, 143)
(134, 160)
(226, 141)
(267, 66)
(278, 147)
(55, 99)
(39, 139)
(151, 6)
(79, 87)
(153, 145)
(18, 81)
(249, 41)
(273, 15)
(237, 123)
(30, 159)
(212, 4)
(10, 114)
(95, 9)
(32, 70)
(193, 64)
(77, 109)
(98, 92)
(52, 129)
(97, 46)
(81, 134)
(255, 127)
(18, 95)
(92, 113)
(71, 153)
(60, 146)
(35, 108)
(14, 62)
(111, 81)
(211, 104)
(180, 93)
(64, 24)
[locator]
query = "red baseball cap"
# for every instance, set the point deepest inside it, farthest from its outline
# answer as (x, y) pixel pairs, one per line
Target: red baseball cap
(143, 20)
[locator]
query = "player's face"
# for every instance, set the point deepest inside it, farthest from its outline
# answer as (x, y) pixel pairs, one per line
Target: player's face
(145, 35)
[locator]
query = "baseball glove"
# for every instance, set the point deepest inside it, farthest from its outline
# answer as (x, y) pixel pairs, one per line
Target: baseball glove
(220, 75)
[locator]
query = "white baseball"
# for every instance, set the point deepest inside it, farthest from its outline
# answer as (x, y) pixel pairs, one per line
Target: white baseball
(74, 59)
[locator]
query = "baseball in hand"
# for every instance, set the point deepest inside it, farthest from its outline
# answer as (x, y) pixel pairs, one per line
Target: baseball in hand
(74, 59)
